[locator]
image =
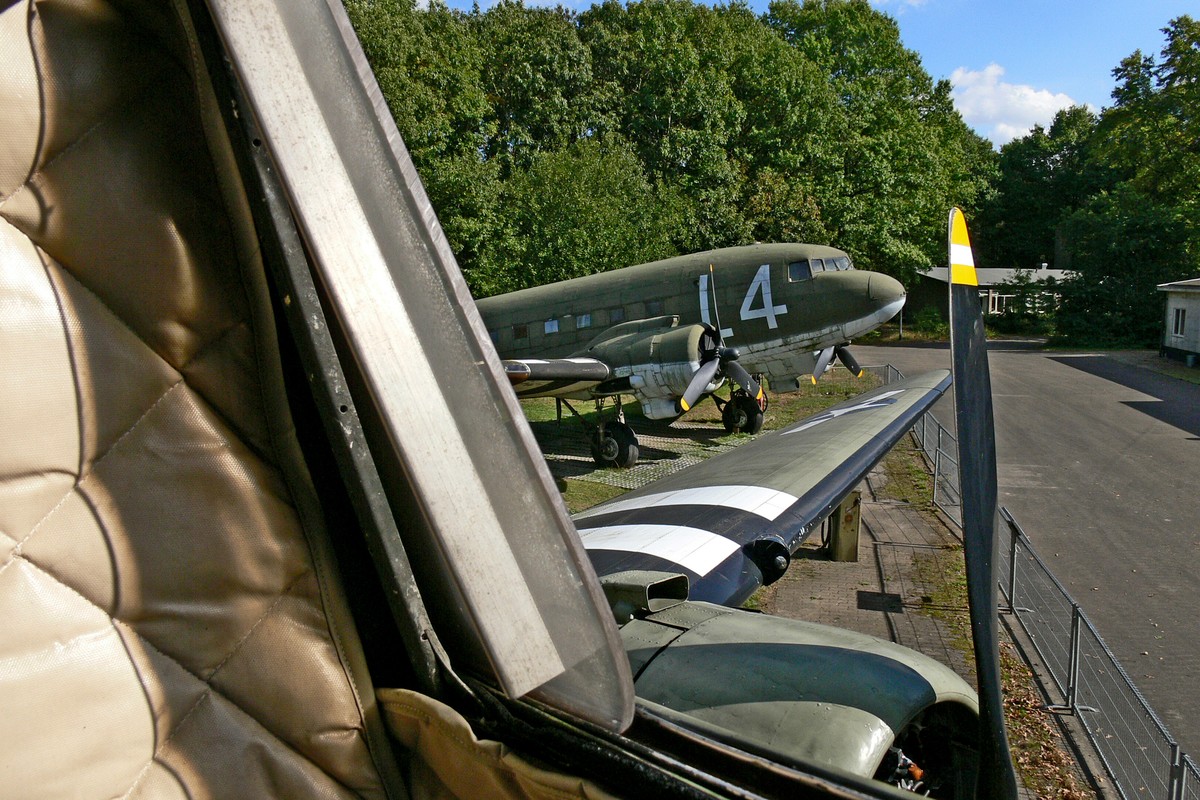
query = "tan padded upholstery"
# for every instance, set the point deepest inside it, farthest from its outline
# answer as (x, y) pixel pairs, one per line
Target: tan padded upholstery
(170, 622)
(448, 762)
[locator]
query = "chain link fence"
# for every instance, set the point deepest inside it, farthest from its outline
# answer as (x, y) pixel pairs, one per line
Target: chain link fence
(1140, 755)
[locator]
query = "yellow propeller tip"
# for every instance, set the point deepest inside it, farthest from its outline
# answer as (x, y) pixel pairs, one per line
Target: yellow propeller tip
(683, 404)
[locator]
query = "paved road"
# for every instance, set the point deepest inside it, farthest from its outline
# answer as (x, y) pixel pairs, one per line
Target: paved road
(1099, 461)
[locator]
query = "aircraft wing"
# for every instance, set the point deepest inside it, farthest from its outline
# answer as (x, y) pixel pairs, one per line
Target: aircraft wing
(541, 377)
(731, 523)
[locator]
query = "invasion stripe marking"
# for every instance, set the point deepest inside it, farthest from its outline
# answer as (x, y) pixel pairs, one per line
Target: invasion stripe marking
(758, 500)
(691, 548)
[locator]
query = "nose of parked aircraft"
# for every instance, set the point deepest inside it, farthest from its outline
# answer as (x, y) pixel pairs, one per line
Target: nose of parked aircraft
(887, 293)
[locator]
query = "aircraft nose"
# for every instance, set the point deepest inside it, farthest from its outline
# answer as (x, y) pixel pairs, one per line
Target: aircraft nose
(884, 289)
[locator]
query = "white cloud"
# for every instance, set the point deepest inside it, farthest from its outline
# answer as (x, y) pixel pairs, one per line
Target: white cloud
(1002, 111)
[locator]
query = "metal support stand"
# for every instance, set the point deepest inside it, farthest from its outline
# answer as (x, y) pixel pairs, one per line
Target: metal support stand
(844, 526)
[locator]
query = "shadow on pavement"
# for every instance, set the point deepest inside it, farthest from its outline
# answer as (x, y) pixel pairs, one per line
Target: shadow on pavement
(1177, 404)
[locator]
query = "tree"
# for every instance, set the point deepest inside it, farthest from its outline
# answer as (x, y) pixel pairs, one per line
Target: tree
(1122, 245)
(583, 209)
(901, 155)
(1043, 177)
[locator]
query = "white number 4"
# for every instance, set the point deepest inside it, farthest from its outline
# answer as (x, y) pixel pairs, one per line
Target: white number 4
(762, 285)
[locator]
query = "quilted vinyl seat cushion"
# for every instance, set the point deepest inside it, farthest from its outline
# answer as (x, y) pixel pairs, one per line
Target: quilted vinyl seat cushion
(170, 625)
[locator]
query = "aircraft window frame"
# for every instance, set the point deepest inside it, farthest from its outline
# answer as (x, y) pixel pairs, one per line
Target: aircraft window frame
(816, 265)
(799, 271)
(520, 330)
(616, 315)
(583, 321)
(550, 327)
(843, 263)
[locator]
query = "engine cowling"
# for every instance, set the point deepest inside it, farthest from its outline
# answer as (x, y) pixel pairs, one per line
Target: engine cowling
(664, 358)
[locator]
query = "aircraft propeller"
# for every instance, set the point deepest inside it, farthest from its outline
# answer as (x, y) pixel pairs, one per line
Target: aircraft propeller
(716, 357)
(843, 355)
(977, 479)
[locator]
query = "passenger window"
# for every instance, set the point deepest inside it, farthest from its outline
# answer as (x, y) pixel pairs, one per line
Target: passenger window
(817, 265)
(799, 271)
(551, 326)
(583, 321)
(654, 308)
(520, 331)
(616, 315)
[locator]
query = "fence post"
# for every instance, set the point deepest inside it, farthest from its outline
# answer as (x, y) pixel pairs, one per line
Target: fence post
(1071, 704)
(1176, 779)
(1012, 570)
(937, 471)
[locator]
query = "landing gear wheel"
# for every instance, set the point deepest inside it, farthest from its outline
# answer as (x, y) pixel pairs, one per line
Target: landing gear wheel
(742, 413)
(615, 446)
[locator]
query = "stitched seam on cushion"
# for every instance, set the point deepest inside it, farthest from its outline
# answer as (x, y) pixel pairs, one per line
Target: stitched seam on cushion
(63, 272)
(209, 689)
(122, 104)
(16, 551)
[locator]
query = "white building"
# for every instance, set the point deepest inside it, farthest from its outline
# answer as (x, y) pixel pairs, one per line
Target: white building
(1181, 334)
(994, 294)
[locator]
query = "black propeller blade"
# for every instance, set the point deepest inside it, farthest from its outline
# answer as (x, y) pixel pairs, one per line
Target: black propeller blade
(843, 354)
(848, 360)
(738, 373)
(823, 359)
(701, 378)
(724, 360)
(977, 479)
(716, 357)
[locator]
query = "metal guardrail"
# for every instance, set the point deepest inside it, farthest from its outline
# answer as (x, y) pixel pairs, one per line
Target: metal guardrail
(1140, 755)
(941, 450)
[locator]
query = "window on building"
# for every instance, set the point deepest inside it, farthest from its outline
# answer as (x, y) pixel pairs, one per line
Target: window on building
(799, 271)
(1179, 322)
(520, 331)
(551, 326)
(583, 321)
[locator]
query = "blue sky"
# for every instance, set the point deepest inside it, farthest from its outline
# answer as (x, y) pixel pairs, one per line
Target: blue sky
(1014, 63)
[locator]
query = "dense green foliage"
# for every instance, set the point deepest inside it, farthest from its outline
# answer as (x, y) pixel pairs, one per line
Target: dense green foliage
(1115, 198)
(555, 143)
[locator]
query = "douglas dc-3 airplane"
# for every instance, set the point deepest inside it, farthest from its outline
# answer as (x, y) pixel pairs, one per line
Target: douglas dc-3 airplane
(272, 524)
(672, 331)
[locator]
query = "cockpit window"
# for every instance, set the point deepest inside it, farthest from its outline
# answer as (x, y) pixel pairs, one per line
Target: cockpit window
(799, 271)
(817, 265)
(843, 263)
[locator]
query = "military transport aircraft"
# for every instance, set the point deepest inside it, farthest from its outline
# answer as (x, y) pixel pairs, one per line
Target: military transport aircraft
(671, 331)
(273, 525)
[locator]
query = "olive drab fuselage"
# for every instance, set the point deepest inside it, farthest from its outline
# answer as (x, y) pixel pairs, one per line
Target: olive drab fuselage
(778, 304)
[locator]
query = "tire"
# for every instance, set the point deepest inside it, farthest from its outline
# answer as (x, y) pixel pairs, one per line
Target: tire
(754, 415)
(742, 414)
(617, 448)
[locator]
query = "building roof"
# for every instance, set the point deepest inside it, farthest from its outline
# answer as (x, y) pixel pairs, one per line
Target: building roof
(993, 276)
(1181, 286)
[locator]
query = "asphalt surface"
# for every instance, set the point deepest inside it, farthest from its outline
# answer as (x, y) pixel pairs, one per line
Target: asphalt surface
(1099, 461)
